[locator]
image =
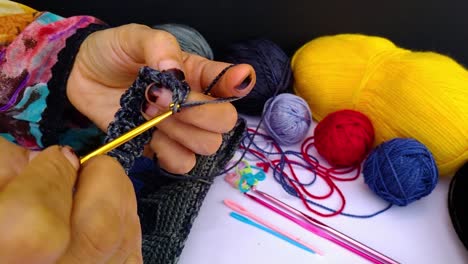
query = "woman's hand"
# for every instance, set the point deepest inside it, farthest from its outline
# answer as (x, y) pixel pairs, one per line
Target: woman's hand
(108, 63)
(51, 212)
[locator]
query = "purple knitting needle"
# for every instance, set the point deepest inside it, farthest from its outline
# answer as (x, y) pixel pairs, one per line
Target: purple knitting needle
(323, 230)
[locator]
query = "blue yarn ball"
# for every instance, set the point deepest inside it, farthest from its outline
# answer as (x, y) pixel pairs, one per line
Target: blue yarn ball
(190, 40)
(287, 118)
(272, 68)
(401, 171)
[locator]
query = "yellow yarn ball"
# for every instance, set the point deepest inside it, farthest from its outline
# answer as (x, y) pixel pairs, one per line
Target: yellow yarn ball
(406, 94)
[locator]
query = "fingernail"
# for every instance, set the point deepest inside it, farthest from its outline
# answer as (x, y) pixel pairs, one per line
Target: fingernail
(33, 154)
(245, 83)
(178, 74)
(71, 156)
(168, 64)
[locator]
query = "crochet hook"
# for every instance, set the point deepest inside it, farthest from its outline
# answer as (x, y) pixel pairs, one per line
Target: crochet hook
(323, 230)
(127, 136)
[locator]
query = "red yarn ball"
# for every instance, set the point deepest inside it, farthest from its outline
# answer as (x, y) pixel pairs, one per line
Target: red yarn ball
(344, 138)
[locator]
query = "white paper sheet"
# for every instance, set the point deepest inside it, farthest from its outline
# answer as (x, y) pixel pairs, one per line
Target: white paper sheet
(421, 232)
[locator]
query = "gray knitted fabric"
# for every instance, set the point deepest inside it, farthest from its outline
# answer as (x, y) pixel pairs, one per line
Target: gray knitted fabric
(129, 115)
(168, 206)
(167, 213)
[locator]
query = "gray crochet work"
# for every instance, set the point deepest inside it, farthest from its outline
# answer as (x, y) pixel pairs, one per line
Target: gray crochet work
(167, 211)
(167, 214)
(129, 115)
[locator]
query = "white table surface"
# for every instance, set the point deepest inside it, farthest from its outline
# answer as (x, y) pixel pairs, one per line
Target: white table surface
(421, 232)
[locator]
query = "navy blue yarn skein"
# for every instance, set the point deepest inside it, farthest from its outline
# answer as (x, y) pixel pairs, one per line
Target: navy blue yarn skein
(287, 118)
(272, 68)
(401, 171)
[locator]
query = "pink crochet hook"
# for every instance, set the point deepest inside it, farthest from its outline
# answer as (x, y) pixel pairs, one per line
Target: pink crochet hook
(240, 209)
(323, 230)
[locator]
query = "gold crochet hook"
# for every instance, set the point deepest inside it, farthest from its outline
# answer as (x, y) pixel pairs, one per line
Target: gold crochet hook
(127, 136)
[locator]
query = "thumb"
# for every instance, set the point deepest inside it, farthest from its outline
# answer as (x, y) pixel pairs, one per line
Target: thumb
(14, 158)
(36, 207)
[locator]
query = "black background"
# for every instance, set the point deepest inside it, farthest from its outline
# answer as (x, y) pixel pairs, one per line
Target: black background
(440, 26)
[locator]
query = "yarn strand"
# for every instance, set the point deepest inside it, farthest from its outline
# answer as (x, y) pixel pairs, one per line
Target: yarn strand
(292, 185)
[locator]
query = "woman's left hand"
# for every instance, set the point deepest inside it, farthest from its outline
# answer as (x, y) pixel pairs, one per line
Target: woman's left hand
(108, 63)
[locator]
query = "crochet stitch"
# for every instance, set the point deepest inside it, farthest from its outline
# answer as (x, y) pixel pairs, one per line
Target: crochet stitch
(168, 209)
(129, 116)
(167, 206)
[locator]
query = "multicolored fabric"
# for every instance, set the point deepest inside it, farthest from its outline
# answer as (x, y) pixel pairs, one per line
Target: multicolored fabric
(37, 52)
(26, 64)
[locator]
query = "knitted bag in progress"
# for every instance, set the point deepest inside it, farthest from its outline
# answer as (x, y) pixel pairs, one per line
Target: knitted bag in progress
(168, 211)
(167, 206)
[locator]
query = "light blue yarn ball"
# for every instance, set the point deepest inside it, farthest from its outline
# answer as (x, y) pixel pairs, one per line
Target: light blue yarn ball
(190, 40)
(287, 118)
(401, 171)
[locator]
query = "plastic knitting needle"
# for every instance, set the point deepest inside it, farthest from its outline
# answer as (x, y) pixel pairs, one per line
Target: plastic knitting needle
(268, 230)
(316, 224)
(127, 136)
(241, 210)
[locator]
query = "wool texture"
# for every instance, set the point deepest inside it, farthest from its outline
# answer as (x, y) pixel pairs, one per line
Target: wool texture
(406, 94)
(129, 115)
(167, 207)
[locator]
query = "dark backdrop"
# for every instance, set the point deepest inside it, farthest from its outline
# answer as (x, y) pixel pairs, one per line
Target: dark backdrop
(437, 25)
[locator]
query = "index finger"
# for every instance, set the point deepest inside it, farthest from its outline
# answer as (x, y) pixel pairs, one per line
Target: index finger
(155, 48)
(104, 199)
(46, 181)
(219, 117)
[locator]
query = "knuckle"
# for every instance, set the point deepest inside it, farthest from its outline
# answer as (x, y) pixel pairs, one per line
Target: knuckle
(210, 147)
(54, 163)
(162, 36)
(123, 33)
(101, 233)
(134, 27)
(6, 174)
(231, 117)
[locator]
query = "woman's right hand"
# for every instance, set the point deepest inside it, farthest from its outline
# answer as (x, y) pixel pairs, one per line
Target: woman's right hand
(53, 211)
